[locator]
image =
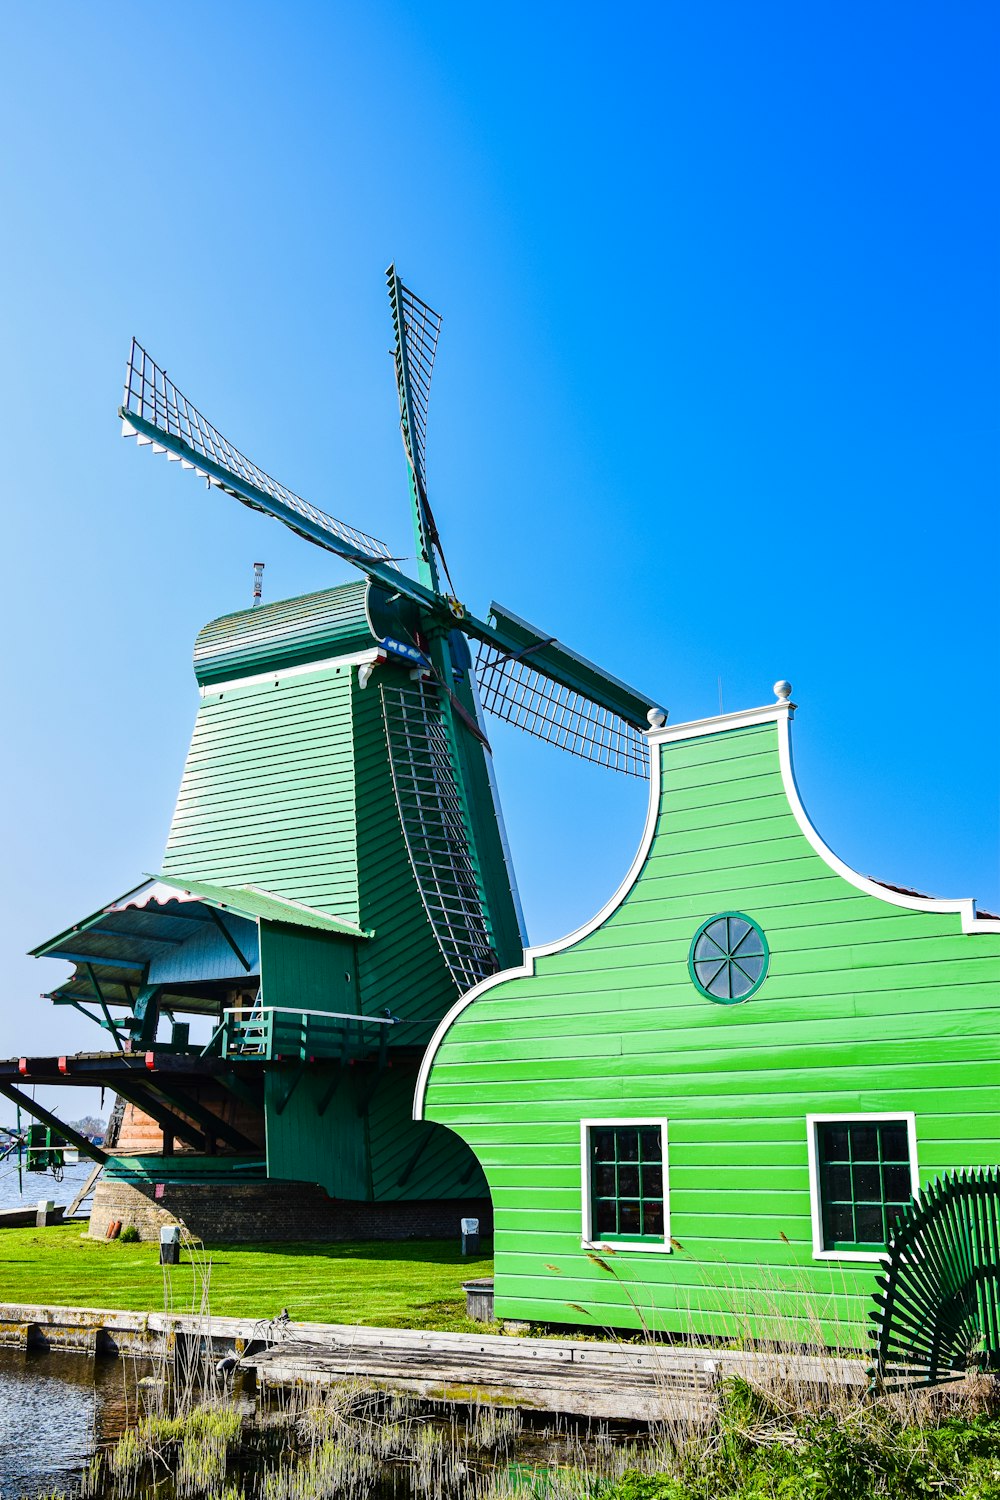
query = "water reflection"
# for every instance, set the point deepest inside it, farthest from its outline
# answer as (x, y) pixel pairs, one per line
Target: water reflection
(54, 1409)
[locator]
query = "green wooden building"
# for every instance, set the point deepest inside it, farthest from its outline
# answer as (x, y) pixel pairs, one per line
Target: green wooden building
(702, 1110)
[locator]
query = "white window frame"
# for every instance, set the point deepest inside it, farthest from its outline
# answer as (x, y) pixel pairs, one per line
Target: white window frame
(623, 1247)
(844, 1117)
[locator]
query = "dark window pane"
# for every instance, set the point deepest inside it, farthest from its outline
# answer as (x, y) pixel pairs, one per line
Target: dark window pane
(628, 1182)
(651, 1148)
(748, 944)
(867, 1185)
(628, 1145)
(628, 1218)
(898, 1188)
(603, 1142)
(707, 969)
(652, 1182)
(864, 1143)
(605, 1218)
(711, 944)
(751, 966)
(738, 930)
(719, 986)
(838, 1183)
(895, 1146)
(604, 1181)
(868, 1219)
(652, 1218)
(840, 1222)
(834, 1143)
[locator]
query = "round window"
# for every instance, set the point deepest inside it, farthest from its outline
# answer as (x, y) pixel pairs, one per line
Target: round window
(729, 957)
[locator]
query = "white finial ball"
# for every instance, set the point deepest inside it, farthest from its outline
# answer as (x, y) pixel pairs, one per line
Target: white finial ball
(782, 691)
(657, 718)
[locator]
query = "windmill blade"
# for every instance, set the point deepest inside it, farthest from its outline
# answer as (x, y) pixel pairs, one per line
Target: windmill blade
(533, 681)
(156, 413)
(513, 690)
(418, 328)
(434, 828)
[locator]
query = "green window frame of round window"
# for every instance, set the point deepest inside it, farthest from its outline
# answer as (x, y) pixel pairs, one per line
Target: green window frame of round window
(729, 958)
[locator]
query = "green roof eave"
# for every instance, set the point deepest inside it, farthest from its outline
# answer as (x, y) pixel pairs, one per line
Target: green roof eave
(250, 901)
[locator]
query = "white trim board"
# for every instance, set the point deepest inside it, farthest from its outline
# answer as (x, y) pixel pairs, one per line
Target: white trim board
(278, 674)
(623, 1247)
(902, 1116)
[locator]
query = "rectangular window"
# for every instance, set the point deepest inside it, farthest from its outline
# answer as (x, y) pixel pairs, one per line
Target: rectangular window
(864, 1173)
(625, 1182)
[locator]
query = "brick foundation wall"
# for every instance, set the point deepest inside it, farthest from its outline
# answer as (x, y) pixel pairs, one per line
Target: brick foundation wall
(249, 1212)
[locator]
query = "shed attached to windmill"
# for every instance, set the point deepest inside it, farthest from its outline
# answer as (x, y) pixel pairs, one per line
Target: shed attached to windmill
(703, 1111)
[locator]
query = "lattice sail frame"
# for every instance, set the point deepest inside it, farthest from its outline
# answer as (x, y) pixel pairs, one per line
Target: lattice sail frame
(418, 328)
(434, 829)
(511, 689)
(152, 396)
(937, 1309)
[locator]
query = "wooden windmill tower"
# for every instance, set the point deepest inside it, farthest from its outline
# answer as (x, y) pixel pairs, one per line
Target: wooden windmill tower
(337, 835)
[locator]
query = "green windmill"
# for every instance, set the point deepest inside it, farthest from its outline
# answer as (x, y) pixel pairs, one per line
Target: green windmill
(433, 694)
(336, 872)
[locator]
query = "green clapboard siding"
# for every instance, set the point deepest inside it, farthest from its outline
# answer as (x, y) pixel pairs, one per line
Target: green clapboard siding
(867, 1007)
(307, 970)
(364, 1145)
(268, 792)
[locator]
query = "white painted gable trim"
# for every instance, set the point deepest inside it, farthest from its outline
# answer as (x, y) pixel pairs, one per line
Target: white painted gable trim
(780, 714)
(964, 906)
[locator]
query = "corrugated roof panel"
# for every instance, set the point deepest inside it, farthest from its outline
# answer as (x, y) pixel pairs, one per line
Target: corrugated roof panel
(288, 633)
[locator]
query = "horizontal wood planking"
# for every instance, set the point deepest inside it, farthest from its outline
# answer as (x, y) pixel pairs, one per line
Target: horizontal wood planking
(273, 803)
(867, 1007)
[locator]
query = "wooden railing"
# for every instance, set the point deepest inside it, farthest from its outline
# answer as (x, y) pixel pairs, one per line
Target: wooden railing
(280, 1032)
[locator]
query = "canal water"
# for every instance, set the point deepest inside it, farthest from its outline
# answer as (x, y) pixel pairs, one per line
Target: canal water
(35, 1185)
(54, 1410)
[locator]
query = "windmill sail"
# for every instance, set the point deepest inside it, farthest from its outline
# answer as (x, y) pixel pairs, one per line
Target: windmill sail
(511, 689)
(418, 328)
(532, 680)
(155, 412)
(434, 828)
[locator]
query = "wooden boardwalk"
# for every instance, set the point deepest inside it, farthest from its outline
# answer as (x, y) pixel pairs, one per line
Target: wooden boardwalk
(635, 1382)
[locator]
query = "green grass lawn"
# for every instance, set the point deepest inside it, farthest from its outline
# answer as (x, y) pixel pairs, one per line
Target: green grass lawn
(414, 1284)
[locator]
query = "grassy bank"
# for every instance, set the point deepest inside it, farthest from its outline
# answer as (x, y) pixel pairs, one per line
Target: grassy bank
(416, 1284)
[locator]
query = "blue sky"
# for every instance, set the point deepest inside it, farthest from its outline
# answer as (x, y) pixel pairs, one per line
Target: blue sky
(716, 396)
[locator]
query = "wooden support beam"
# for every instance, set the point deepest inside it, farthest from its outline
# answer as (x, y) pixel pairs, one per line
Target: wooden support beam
(37, 1112)
(220, 924)
(103, 1004)
(204, 1117)
(279, 1108)
(165, 1118)
(330, 1091)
